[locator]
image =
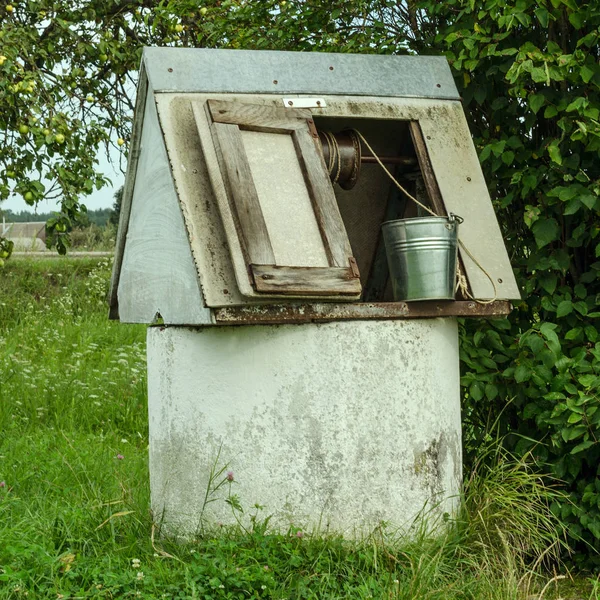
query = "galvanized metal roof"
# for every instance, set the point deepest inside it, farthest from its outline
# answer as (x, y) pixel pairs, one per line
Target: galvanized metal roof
(270, 72)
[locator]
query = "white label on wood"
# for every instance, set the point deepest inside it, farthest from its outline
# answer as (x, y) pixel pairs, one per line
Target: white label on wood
(285, 203)
(304, 102)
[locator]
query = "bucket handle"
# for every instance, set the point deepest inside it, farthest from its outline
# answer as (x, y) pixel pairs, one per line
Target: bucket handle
(452, 218)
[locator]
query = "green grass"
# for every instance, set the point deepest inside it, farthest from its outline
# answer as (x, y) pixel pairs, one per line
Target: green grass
(74, 495)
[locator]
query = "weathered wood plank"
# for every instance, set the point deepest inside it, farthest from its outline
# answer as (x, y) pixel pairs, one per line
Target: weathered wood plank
(244, 199)
(323, 198)
(256, 117)
(311, 281)
(431, 184)
(305, 313)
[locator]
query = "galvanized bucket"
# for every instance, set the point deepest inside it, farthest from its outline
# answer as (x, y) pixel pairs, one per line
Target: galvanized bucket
(422, 255)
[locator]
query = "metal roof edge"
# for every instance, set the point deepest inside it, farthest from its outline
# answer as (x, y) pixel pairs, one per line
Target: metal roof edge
(143, 90)
(285, 72)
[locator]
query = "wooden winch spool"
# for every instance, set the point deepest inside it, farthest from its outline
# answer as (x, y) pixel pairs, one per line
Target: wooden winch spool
(343, 156)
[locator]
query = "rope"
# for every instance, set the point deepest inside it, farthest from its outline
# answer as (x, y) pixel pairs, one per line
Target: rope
(426, 208)
(465, 289)
(461, 279)
(334, 153)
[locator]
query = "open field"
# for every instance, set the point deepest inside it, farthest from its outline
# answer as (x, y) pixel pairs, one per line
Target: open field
(74, 495)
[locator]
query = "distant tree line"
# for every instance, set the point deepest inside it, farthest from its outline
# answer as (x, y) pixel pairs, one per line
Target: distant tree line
(99, 217)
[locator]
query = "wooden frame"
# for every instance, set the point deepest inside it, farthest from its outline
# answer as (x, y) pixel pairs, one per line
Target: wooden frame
(431, 184)
(340, 277)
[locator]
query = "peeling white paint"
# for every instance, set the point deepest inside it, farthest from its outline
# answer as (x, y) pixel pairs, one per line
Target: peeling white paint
(338, 426)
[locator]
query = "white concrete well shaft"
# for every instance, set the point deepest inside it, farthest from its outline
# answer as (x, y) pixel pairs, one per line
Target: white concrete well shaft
(338, 425)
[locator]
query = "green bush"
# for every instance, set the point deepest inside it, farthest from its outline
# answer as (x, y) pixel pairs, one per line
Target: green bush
(529, 76)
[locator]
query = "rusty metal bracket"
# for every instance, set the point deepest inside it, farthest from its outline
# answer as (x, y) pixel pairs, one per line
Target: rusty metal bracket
(354, 267)
(322, 312)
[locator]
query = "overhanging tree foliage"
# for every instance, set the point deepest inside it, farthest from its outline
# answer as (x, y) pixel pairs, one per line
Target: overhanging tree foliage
(67, 78)
(528, 72)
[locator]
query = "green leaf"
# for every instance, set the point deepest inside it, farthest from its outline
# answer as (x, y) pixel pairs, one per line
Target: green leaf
(564, 308)
(536, 101)
(577, 18)
(548, 282)
(572, 206)
(592, 112)
(578, 104)
(522, 373)
(554, 152)
(573, 334)
(545, 231)
(478, 337)
(551, 111)
(583, 446)
(547, 330)
(571, 4)
(543, 16)
(476, 391)
(539, 75)
(588, 381)
(574, 418)
(589, 200)
(488, 363)
(508, 157)
(480, 94)
(485, 153)
(572, 433)
(491, 391)
(591, 333)
(535, 342)
(562, 364)
(580, 290)
(586, 74)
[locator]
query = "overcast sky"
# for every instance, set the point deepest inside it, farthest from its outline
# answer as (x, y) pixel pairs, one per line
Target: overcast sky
(100, 199)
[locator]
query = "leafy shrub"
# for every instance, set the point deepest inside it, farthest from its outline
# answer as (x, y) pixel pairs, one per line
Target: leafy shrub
(529, 76)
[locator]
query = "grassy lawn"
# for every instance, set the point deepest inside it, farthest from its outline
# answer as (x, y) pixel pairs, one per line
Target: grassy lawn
(74, 495)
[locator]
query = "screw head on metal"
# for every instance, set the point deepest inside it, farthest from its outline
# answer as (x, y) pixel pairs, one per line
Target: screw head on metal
(468, 179)
(170, 70)
(290, 103)
(275, 81)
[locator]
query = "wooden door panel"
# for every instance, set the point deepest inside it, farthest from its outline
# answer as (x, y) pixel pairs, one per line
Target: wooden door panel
(323, 197)
(339, 276)
(305, 281)
(238, 180)
(256, 117)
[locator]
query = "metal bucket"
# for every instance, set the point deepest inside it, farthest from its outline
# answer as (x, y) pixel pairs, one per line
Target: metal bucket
(422, 255)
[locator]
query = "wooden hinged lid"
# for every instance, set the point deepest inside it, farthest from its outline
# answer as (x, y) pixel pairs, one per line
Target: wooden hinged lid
(276, 200)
